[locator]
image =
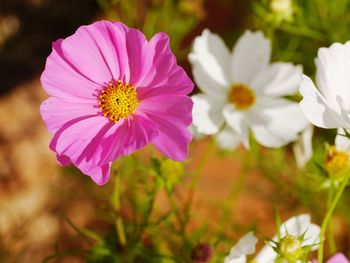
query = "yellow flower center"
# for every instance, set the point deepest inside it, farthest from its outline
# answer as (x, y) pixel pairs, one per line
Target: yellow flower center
(242, 96)
(336, 160)
(118, 101)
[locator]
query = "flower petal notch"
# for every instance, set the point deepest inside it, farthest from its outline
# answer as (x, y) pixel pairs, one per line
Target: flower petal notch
(111, 92)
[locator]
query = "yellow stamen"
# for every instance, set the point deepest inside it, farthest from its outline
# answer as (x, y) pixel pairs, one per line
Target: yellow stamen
(336, 160)
(118, 101)
(242, 96)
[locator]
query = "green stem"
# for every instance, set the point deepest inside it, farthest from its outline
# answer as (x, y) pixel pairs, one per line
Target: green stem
(302, 31)
(196, 174)
(329, 215)
(180, 220)
(148, 214)
(331, 239)
(237, 186)
(116, 204)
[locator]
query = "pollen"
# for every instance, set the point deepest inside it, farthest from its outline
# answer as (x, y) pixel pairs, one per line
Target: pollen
(118, 101)
(242, 96)
(336, 160)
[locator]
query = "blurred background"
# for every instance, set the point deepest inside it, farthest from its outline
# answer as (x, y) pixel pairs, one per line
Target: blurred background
(43, 206)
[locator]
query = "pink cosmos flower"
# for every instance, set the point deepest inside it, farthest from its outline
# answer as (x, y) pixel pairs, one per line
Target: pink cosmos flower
(337, 258)
(112, 92)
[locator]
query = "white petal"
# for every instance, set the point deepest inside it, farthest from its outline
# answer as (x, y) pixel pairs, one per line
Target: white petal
(302, 149)
(312, 236)
(207, 114)
(295, 225)
(242, 259)
(237, 121)
(227, 139)
(280, 122)
(333, 78)
(265, 255)
(278, 79)
(210, 62)
(342, 142)
(245, 246)
(251, 54)
(316, 108)
(196, 134)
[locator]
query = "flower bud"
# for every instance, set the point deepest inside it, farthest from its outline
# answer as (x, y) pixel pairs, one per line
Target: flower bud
(201, 253)
(282, 9)
(291, 248)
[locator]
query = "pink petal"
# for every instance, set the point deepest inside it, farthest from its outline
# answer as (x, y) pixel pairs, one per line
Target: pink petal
(136, 46)
(63, 160)
(99, 174)
(164, 76)
(172, 139)
(109, 39)
(338, 258)
(86, 52)
(57, 112)
(176, 106)
(117, 37)
(63, 80)
(132, 134)
(77, 141)
(163, 60)
(172, 114)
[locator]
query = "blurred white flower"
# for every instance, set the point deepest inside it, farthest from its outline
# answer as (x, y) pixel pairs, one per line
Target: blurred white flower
(245, 246)
(294, 227)
(329, 107)
(243, 92)
(302, 148)
(196, 134)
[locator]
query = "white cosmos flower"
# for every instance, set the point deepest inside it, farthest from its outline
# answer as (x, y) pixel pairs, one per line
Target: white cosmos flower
(295, 227)
(242, 91)
(302, 148)
(329, 107)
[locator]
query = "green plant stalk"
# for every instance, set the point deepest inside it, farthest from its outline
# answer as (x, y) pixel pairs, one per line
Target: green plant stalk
(178, 217)
(302, 31)
(120, 231)
(118, 220)
(331, 239)
(236, 188)
(329, 215)
(195, 177)
(148, 214)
